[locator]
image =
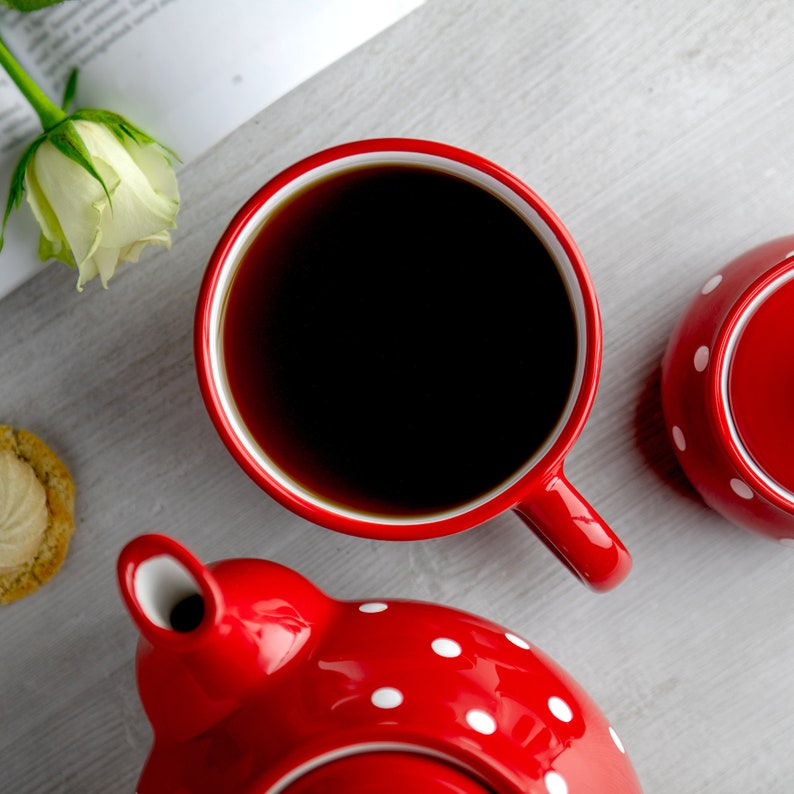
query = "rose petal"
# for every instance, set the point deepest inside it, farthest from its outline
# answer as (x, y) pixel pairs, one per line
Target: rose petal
(156, 167)
(73, 195)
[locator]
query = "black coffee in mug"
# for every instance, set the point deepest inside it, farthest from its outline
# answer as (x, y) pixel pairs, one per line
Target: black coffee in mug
(398, 339)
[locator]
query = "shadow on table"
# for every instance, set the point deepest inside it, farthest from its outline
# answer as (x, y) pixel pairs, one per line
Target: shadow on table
(653, 442)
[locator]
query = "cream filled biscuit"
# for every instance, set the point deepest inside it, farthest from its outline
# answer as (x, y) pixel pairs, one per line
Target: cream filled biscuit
(36, 513)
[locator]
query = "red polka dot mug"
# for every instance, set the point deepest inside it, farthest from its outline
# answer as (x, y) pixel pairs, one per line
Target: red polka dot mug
(728, 390)
(256, 682)
(398, 339)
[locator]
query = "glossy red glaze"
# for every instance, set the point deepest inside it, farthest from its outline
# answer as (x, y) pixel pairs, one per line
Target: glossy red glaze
(581, 538)
(277, 688)
(592, 552)
(728, 386)
(761, 385)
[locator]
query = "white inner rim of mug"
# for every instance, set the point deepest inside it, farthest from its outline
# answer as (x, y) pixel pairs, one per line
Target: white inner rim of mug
(730, 349)
(236, 251)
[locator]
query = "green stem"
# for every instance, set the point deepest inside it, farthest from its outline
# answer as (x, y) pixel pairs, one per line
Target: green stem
(49, 113)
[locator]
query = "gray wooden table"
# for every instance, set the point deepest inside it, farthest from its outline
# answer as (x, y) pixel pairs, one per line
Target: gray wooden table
(663, 135)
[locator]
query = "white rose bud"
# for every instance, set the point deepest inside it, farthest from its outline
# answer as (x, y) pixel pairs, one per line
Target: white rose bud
(96, 225)
(101, 190)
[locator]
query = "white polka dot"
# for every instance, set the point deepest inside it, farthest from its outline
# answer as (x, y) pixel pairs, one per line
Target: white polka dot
(616, 740)
(372, 607)
(787, 542)
(712, 284)
(555, 783)
(387, 697)
(517, 641)
(481, 721)
(701, 359)
(790, 253)
(741, 489)
(678, 438)
(446, 647)
(560, 709)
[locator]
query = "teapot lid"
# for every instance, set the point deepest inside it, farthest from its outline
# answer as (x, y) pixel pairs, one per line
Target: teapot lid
(386, 772)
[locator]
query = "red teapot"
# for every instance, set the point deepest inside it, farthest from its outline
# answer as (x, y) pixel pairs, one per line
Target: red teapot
(256, 682)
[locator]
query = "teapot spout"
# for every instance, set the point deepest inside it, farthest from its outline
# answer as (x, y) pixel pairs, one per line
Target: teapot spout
(194, 665)
(211, 635)
(171, 596)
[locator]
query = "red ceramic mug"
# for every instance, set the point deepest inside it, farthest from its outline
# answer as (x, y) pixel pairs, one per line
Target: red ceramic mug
(728, 390)
(397, 339)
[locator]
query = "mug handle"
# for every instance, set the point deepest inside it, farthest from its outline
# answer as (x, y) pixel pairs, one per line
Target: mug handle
(575, 533)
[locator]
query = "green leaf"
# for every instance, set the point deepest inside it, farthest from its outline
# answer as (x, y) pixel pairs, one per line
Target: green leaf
(70, 90)
(121, 128)
(17, 186)
(29, 5)
(67, 141)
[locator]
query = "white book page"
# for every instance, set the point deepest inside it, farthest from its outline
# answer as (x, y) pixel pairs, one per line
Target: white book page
(186, 71)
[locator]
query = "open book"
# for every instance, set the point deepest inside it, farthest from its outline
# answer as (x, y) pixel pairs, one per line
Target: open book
(186, 71)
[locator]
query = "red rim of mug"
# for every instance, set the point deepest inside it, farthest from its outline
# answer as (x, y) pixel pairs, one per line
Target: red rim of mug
(346, 519)
(724, 346)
